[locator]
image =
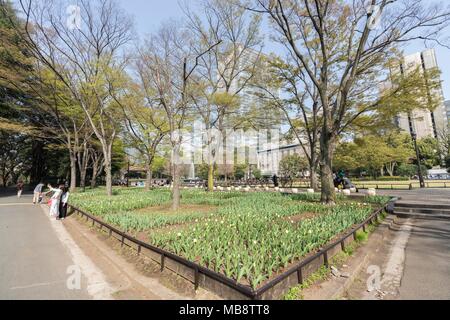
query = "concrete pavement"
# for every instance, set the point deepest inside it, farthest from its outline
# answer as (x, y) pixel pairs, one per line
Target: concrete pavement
(33, 261)
(427, 255)
(431, 195)
(414, 259)
(427, 264)
(40, 256)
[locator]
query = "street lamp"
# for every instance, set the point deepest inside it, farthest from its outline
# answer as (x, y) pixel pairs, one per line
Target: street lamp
(419, 165)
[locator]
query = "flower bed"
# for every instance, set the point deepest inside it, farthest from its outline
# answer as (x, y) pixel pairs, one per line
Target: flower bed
(249, 237)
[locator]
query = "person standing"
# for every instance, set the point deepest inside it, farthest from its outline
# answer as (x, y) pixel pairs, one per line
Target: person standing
(63, 204)
(19, 189)
(37, 193)
(55, 200)
(275, 181)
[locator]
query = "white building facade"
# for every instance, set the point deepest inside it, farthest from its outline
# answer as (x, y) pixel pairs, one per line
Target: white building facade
(423, 122)
(269, 159)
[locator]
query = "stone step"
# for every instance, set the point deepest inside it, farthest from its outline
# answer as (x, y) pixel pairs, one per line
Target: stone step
(422, 205)
(422, 215)
(421, 211)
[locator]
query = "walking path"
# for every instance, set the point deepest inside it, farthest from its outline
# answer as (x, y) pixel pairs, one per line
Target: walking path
(419, 195)
(33, 261)
(427, 264)
(415, 258)
(45, 259)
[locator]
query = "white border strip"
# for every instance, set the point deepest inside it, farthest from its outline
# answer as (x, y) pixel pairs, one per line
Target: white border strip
(97, 286)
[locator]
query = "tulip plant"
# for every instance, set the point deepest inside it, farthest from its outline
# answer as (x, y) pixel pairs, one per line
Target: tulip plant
(248, 237)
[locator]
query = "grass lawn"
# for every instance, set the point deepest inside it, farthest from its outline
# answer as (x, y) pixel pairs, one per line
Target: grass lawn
(249, 237)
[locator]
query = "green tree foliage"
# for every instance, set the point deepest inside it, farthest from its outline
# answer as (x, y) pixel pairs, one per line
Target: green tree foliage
(409, 170)
(429, 152)
(257, 174)
(15, 70)
(374, 154)
(293, 166)
(240, 171)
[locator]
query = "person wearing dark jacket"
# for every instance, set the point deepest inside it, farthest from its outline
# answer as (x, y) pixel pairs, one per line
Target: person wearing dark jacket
(275, 181)
(63, 204)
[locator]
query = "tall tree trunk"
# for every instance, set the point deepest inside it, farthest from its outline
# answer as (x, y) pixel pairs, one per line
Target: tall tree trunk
(83, 173)
(314, 182)
(107, 151)
(94, 177)
(96, 169)
(390, 167)
(176, 188)
(83, 161)
(149, 176)
(38, 162)
(313, 179)
(108, 175)
(73, 172)
(211, 177)
(176, 196)
(326, 166)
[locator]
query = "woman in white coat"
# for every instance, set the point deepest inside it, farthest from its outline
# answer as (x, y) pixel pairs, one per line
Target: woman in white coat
(55, 200)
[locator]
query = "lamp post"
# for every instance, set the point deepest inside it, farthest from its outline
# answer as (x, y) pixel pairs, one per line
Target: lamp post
(419, 165)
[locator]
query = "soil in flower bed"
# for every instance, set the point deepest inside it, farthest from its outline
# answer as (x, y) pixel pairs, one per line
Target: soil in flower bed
(301, 217)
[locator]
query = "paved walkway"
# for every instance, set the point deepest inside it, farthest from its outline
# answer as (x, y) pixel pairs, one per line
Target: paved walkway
(427, 256)
(415, 256)
(33, 261)
(419, 195)
(39, 255)
(427, 264)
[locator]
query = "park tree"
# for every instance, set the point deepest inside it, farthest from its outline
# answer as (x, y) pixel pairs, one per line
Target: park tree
(16, 124)
(96, 161)
(444, 141)
(400, 150)
(293, 166)
(16, 68)
(300, 106)
(61, 120)
(167, 63)
(85, 56)
(145, 126)
(346, 157)
(15, 157)
(429, 152)
(225, 72)
(372, 154)
(354, 40)
(375, 154)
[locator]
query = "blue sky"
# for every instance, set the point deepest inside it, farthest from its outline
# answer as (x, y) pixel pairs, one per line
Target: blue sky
(149, 14)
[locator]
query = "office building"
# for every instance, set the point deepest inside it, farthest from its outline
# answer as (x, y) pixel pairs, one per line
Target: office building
(269, 159)
(447, 109)
(423, 122)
